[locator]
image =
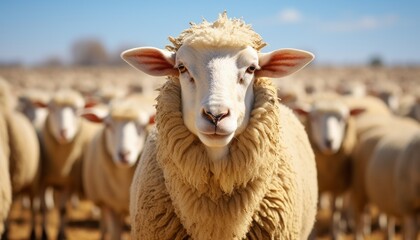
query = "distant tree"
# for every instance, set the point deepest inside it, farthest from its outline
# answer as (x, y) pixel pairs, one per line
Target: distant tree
(53, 61)
(376, 61)
(89, 52)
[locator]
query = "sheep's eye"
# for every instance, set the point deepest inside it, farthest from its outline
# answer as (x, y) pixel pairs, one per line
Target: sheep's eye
(182, 68)
(251, 69)
(192, 80)
(241, 81)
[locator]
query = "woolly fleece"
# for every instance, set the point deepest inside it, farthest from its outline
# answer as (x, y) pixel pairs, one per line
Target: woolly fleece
(265, 189)
(62, 164)
(5, 185)
(104, 183)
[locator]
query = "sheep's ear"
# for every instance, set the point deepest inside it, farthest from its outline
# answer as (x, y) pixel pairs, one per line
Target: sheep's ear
(40, 104)
(302, 109)
(356, 111)
(153, 61)
(96, 115)
(282, 62)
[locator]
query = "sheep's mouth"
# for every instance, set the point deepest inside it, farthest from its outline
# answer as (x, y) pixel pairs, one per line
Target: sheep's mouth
(216, 136)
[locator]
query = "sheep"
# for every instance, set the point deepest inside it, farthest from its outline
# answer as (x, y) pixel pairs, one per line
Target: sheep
(332, 133)
(371, 128)
(21, 149)
(64, 137)
(388, 165)
(110, 158)
(213, 168)
(5, 185)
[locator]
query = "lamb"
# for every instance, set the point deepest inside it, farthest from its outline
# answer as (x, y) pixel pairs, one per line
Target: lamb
(332, 133)
(226, 160)
(21, 149)
(391, 163)
(64, 137)
(110, 159)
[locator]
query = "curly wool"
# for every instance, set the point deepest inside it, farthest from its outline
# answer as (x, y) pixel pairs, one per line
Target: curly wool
(252, 193)
(223, 32)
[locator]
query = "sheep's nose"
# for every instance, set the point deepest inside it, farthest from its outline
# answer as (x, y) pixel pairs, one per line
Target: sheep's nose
(63, 133)
(123, 156)
(328, 143)
(215, 118)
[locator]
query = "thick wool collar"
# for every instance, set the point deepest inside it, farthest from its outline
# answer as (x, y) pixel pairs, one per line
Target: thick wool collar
(231, 188)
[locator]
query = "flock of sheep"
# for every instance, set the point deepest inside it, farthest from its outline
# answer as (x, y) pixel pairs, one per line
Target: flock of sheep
(219, 152)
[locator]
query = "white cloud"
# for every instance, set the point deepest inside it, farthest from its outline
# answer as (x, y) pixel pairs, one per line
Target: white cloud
(360, 24)
(289, 15)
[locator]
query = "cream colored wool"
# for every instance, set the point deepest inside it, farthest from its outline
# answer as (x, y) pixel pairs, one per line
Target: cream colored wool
(407, 177)
(5, 184)
(62, 163)
(371, 128)
(105, 183)
(19, 143)
(25, 154)
(382, 168)
(264, 189)
(223, 32)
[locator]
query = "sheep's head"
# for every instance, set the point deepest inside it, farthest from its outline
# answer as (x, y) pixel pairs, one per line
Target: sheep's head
(216, 64)
(328, 121)
(64, 114)
(125, 130)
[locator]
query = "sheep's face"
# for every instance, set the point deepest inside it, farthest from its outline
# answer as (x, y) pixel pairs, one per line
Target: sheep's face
(125, 139)
(216, 84)
(328, 129)
(217, 93)
(35, 113)
(328, 122)
(64, 122)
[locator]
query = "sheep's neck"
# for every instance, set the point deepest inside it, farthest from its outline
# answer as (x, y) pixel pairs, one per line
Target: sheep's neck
(217, 153)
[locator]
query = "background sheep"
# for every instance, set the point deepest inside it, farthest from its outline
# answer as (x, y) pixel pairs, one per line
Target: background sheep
(110, 158)
(21, 149)
(64, 137)
(190, 174)
(382, 167)
(5, 185)
(332, 133)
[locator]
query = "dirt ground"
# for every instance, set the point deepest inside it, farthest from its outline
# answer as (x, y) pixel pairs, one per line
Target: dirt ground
(83, 225)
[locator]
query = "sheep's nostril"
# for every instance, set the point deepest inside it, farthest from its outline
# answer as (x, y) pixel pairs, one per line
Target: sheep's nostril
(215, 118)
(328, 143)
(123, 156)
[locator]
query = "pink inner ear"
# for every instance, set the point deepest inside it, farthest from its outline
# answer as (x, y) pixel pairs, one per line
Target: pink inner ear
(92, 117)
(356, 111)
(39, 104)
(301, 111)
(283, 59)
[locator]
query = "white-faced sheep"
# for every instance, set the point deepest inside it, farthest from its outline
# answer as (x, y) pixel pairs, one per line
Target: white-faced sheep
(226, 161)
(110, 159)
(21, 148)
(64, 137)
(332, 133)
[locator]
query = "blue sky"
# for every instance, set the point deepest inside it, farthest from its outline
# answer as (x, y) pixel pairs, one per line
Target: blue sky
(338, 32)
